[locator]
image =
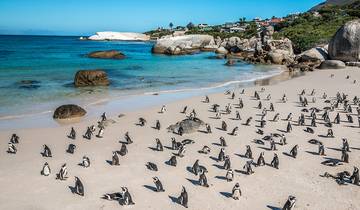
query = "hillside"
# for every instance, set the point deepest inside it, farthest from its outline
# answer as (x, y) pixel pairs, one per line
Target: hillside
(332, 2)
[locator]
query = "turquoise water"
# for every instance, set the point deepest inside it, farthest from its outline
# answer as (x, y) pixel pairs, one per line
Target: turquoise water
(50, 63)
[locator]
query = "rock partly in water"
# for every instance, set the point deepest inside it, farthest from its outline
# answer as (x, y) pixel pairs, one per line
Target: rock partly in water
(69, 111)
(182, 45)
(107, 54)
(332, 64)
(189, 125)
(91, 78)
(345, 45)
(221, 50)
(29, 84)
(230, 62)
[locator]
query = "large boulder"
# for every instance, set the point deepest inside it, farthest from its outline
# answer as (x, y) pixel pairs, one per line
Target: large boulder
(91, 78)
(68, 111)
(182, 45)
(107, 54)
(221, 50)
(316, 54)
(345, 45)
(332, 64)
(189, 125)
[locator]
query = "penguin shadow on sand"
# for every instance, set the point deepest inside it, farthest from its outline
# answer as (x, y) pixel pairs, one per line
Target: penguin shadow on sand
(225, 194)
(155, 149)
(288, 154)
(193, 181)
(214, 158)
(189, 169)
(152, 188)
(220, 177)
(109, 162)
(241, 171)
(312, 153)
(174, 199)
(273, 207)
(218, 166)
(265, 148)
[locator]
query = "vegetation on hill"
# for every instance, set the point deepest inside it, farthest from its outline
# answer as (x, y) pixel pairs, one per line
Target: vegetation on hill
(309, 30)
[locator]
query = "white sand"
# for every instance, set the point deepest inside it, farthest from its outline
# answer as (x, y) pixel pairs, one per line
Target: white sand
(24, 188)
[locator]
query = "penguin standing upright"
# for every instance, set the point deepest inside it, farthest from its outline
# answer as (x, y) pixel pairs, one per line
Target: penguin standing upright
(47, 151)
(86, 162)
(46, 171)
(115, 159)
(221, 156)
(355, 176)
(127, 199)
(229, 175)
(196, 168)
(158, 184)
(183, 198)
(100, 133)
(290, 203)
(14, 139)
(79, 187)
(236, 192)
(11, 148)
(62, 175)
(123, 150)
(173, 161)
(159, 146)
(203, 180)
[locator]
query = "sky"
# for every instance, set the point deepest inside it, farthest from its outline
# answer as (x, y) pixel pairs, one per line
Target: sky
(85, 17)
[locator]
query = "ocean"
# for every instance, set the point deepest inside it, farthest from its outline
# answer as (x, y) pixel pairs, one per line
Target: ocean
(37, 72)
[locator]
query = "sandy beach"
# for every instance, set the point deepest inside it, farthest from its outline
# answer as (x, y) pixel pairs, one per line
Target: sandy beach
(268, 188)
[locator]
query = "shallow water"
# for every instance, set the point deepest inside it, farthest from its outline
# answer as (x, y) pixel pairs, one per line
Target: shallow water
(36, 72)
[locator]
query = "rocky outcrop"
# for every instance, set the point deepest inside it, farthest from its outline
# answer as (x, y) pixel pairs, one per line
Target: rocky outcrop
(188, 125)
(107, 54)
(221, 50)
(230, 62)
(182, 45)
(332, 64)
(118, 36)
(345, 45)
(316, 54)
(91, 78)
(68, 111)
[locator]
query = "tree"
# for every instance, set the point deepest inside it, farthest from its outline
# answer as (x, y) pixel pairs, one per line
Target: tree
(171, 25)
(190, 25)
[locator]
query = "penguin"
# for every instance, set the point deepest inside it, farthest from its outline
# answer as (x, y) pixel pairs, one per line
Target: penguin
(86, 162)
(272, 144)
(248, 121)
(159, 146)
(290, 203)
(276, 117)
(234, 131)
(229, 175)
(222, 142)
(79, 187)
(288, 128)
(184, 110)
(88, 134)
(123, 150)
(126, 197)
(309, 130)
(248, 167)
(14, 139)
(115, 159)
(46, 171)
(224, 126)
(355, 176)
(275, 161)
(183, 198)
(187, 141)
(71, 148)
(62, 175)
(294, 151)
(151, 166)
(207, 100)
(142, 121)
(237, 115)
(283, 139)
(72, 134)
(174, 144)
(236, 192)
(163, 109)
(127, 138)
(248, 153)
(221, 156)
(158, 184)
(195, 168)
(103, 117)
(345, 145)
(100, 133)
(321, 149)
(203, 180)
(11, 148)
(46, 151)
(227, 163)
(205, 150)
(208, 128)
(157, 125)
(173, 161)
(330, 133)
(261, 160)
(181, 130)
(182, 151)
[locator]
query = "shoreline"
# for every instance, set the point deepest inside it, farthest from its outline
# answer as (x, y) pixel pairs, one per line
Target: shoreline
(97, 106)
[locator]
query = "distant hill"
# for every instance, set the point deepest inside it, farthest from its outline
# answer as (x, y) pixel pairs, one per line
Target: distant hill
(333, 2)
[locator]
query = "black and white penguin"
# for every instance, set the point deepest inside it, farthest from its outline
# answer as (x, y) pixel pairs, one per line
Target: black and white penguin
(234, 131)
(248, 153)
(294, 151)
(128, 140)
(157, 125)
(101, 132)
(227, 163)
(159, 146)
(158, 184)
(203, 180)
(123, 150)
(261, 160)
(221, 156)
(46, 171)
(222, 142)
(355, 176)
(14, 139)
(79, 187)
(196, 168)
(62, 175)
(205, 150)
(126, 198)
(183, 198)
(11, 148)
(172, 161)
(115, 159)
(151, 166)
(46, 151)
(182, 151)
(85, 162)
(72, 134)
(71, 148)
(229, 175)
(290, 203)
(236, 192)
(223, 126)
(275, 161)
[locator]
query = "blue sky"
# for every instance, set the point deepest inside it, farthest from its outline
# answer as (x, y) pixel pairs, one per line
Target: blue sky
(84, 17)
